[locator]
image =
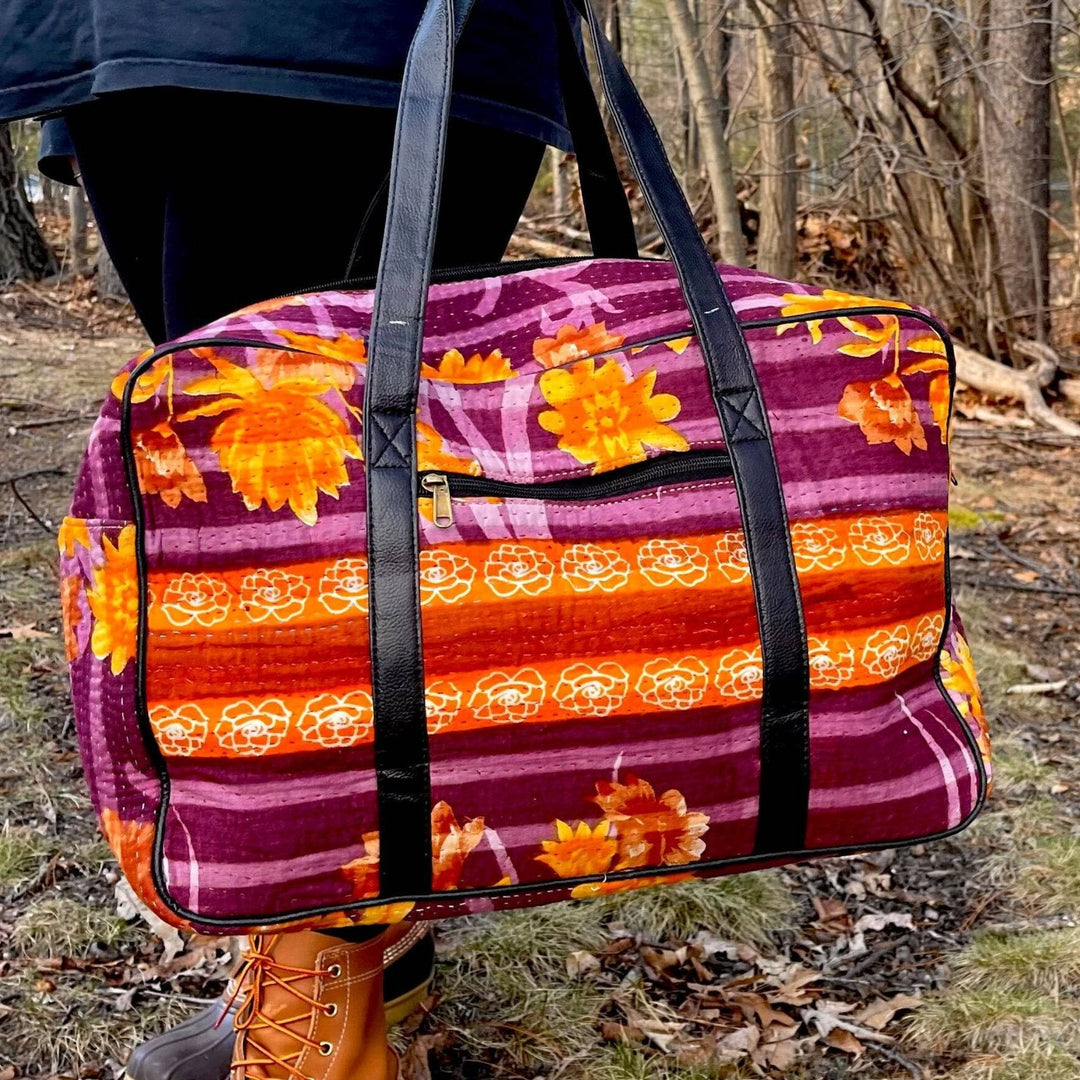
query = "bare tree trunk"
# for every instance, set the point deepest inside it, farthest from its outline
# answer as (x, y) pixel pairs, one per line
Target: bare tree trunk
(558, 181)
(77, 229)
(714, 146)
(109, 285)
(778, 188)
(1017, 149)
(23, 251)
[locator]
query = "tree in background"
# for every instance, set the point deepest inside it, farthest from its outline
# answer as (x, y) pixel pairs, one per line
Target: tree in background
(23, 251)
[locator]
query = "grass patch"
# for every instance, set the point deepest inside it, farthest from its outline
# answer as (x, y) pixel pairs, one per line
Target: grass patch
(1048, 878)
(1048, 962)
(65, 927)
(1039, 1061)
(1018, 771)
(21, 851)
(622, 1062)
(743, 908)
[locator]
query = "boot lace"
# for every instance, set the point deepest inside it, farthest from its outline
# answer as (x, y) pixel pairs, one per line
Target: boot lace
(259, 972)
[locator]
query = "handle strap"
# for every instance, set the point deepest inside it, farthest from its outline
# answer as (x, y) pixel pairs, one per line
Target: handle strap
(401, 750)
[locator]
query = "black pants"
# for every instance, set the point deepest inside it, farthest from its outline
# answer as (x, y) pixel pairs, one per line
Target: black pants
(210, 201)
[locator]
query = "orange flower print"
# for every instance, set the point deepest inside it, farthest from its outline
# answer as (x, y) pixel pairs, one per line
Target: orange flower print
(573, 343)
(673, 562)
(344, 586)
(877, 541)
(249, 730)
(148, 383)
(673, 684)
(336, 362)
(506, 698)
(477, 369)
(927, 636)
(179, 732)
(73, 532)
(114, 602)
(196, 598)
(817, 547)
(832, 664)
(71, 592)
(132, 842)
(164, 467)
(590, 890)
(579, 852)
(592, 691)
(929, 537)
(517, 568)
(444, 576)
(740, 675)
(362, 873)
(885, 652)
(451, 845)
(731, 556)
(651, 831)
(278, 444)
(588, 567)
(336, 720)
(884, 411)
(273, 594)
(941, 404)
(431, 457)
(442, 702)
(605, 421)
(963, 684)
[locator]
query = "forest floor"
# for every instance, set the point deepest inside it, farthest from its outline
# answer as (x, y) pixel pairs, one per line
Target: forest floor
(959, 959)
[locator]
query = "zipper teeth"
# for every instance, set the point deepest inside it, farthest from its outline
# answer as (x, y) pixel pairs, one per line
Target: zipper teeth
(698, 465)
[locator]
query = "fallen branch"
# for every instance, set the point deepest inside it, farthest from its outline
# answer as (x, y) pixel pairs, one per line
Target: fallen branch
(1025, 386)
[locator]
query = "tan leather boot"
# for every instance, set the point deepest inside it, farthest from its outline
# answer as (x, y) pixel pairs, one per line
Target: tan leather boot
(312, 1010)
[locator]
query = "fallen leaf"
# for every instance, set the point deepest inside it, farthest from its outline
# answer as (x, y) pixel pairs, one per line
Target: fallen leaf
(879, 1013)
(840, 1039)
(737, 1044)
(27, 632)
(880, 920)
(581, 963)
(1026, 577)
(129, 906)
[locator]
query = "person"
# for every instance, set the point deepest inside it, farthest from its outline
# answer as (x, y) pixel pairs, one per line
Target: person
(232, 151)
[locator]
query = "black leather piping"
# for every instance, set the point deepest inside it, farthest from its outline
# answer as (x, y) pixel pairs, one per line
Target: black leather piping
(160, 762)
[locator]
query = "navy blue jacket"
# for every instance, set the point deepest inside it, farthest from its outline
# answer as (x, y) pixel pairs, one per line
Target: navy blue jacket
(55, 54)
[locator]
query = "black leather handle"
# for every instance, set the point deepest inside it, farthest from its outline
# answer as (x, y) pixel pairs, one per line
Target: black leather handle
(395, 347)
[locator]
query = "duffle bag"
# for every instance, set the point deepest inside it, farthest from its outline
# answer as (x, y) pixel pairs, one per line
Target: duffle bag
(539, 581)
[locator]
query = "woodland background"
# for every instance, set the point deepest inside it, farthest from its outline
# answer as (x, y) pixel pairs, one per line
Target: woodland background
(916, 150)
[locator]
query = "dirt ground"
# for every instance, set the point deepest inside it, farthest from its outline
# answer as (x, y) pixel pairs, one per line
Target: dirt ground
(958, 959)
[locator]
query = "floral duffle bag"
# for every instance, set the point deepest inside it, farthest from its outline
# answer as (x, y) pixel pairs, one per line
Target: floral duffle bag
(543, 581)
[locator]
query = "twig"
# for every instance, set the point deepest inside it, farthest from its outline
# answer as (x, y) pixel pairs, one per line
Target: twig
(899, 1059)
(69, 419)
(54, 471)
(1015, 586)
(1028, 564)
(13, 484)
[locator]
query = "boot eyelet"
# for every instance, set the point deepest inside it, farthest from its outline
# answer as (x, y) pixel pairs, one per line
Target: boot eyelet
(326, 1049)
(331, 1009)
(334, 971)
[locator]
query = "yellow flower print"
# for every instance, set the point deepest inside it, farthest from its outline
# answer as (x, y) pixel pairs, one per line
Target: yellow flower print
(444, 576)
(362, 873)
(573, 343)
(114, 602)
(431, 457)
(179, 732)
(477, 369)
(830, 300)
(605, 421)
(344, 586)
(344, 347)
(278, 444)
(588, 566)
(273, 594)
(961, 680)
(74, 532)
(442, 703)
(451, 844)
(831, 664)
(929, 537)
(816, 547)
(877, 540)
(196, 598)
(579, 852)
(926, 636)
(148, 383)
(593, 889)
(740, 675)
(885, 652)
(518, 568)
(336, 720)
(506, 698)
(249, 730)
(673, 684)
(165, 468)
(673, 562)
(272, 366)
(592, 691)
(731, 556)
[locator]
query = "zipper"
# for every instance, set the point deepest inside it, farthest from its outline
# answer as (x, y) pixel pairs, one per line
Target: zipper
(442, 277)
(682, 468)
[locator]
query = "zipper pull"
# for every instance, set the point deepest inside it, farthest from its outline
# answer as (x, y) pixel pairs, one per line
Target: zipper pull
(438, 487)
